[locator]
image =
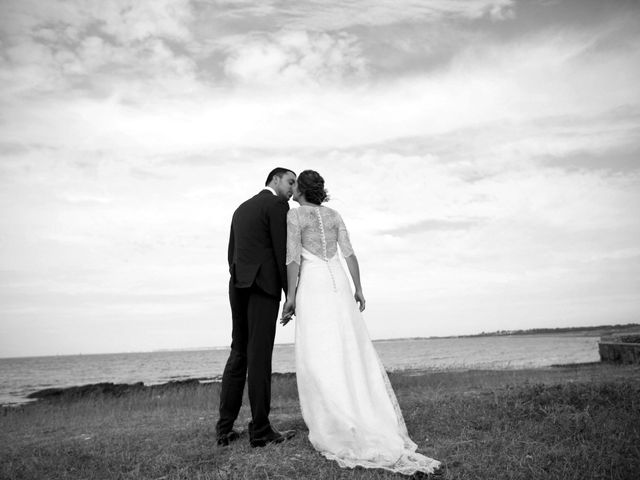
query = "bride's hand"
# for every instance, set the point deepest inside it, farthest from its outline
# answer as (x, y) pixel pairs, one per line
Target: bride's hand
(360, 299)
(288, 310)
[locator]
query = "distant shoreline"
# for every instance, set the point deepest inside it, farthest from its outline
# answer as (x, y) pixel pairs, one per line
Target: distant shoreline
(604, 329)
(594, 331)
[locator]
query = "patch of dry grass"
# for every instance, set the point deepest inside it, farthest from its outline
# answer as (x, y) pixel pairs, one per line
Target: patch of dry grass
(577, 422)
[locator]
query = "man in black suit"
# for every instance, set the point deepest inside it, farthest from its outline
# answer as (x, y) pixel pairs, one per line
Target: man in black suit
(257, 250)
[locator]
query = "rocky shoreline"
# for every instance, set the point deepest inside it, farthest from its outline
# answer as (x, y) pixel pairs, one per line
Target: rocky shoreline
(111, 389)
(105, 388)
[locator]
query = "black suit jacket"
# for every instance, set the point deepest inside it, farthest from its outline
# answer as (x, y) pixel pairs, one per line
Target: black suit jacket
(258, 243)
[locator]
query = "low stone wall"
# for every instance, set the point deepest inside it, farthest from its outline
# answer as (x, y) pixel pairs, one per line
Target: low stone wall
(620, 348)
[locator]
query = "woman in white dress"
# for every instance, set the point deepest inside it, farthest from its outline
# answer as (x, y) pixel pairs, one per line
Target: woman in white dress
(346, 399)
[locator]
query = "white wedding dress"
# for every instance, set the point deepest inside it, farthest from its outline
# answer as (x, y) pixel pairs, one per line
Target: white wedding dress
(346, 399)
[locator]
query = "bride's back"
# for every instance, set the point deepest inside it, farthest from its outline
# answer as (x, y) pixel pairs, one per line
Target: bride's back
(318, 230)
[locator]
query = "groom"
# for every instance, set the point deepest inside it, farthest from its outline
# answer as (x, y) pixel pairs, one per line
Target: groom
(257, 250)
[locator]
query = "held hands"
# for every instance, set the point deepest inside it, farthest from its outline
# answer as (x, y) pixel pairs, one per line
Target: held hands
(360, 299)
(288, 311)
(289, 307)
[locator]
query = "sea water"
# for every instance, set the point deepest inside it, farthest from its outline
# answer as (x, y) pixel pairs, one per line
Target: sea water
(21, 376)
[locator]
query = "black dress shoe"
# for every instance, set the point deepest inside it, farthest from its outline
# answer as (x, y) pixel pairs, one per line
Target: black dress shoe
(224, 439)
(272, 437)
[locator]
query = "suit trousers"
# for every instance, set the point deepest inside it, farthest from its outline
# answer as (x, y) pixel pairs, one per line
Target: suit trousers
(254, 314)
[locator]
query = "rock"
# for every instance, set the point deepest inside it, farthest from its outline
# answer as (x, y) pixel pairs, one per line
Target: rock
(620, 348)
(94, 389)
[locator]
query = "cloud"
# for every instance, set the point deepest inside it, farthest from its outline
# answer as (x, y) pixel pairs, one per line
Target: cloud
(126, 21)
(322, 15)
(152, 92)
(431, 225)
(295, 58)
(130, 21)
(537, 79)
(84, 198)
(482, 154)
(96, 48)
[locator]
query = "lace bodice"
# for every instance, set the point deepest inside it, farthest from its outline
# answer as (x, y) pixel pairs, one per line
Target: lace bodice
(317, 229)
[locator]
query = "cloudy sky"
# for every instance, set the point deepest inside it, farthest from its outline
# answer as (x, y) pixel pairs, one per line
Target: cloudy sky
(483, 153)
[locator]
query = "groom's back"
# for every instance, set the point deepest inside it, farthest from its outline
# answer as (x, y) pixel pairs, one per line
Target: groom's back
(257, 240)
(251, 226)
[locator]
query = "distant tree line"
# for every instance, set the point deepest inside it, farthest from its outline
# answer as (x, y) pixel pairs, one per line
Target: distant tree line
(540, 331)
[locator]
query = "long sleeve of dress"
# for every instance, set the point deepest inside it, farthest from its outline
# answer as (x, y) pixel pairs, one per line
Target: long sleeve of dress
(343, 239)
(294, 237)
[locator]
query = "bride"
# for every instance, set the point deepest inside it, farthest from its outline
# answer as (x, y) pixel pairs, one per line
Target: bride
(346, 399)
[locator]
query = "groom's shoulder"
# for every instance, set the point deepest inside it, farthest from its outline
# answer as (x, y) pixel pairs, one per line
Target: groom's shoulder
(250, 205)
(263, 196)
(265, 200)
(272, 201)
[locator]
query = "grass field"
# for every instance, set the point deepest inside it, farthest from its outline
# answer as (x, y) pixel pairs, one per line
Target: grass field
(573, 422)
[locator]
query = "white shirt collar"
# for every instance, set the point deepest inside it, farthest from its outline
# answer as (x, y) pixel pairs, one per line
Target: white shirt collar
(271, 190)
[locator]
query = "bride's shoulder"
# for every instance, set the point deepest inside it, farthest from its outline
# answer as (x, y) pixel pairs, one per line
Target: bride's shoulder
(297, 213)
(331, 211)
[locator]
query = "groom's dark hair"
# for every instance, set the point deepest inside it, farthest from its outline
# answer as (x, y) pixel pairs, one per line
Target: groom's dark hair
(277, 172)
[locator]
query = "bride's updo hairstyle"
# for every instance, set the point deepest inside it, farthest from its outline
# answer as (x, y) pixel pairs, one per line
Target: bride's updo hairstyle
(311, 185)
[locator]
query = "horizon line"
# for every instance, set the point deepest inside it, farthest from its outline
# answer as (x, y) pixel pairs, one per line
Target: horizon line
(221, 347)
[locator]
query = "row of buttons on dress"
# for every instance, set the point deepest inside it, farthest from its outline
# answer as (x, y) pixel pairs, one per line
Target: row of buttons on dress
(324, 249)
